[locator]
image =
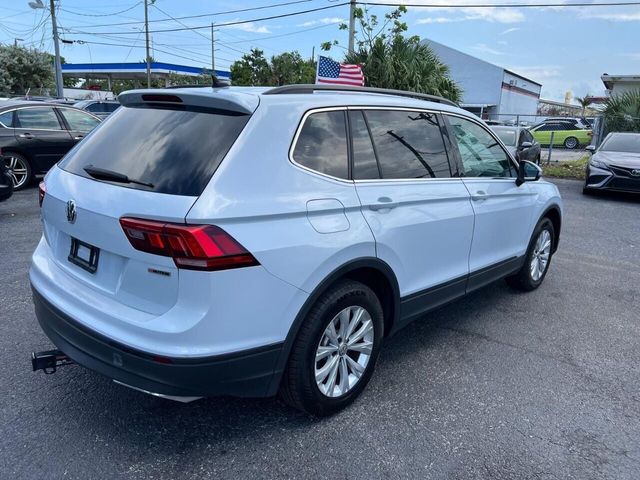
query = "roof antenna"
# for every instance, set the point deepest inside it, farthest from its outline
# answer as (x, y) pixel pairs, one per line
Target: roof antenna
(218, 82)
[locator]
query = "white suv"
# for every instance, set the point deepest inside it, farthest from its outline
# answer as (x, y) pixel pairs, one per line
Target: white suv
(246, 241)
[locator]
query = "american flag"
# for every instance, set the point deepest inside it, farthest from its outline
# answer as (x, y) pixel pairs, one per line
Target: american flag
(339, 73)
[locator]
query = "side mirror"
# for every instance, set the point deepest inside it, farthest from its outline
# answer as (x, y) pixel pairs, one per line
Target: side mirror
(528, 172)
(525, 145)
(590, 148)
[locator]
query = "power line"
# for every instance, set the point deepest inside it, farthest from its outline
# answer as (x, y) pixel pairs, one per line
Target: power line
(226, 12)
(500, 5)
(229, 24)
(101, 14)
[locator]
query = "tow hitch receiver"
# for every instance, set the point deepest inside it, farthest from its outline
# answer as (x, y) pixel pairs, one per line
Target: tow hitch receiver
(49, 361)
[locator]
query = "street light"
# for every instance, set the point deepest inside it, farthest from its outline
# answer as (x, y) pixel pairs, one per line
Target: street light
(37, 5)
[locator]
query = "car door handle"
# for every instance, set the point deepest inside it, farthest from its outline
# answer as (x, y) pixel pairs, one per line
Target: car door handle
(385, 204)
(479, 196)
(78, 137)
(26, 135)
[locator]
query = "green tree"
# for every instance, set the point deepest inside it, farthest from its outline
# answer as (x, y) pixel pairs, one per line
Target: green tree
(584, 102)
(289, 68)
(252, 69)
(22, 69)
(391, 60)
(622, 112)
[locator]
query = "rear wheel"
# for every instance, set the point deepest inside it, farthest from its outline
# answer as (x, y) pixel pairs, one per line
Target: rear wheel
(334, 355)
(571, 143)
(19, 170)
(537, 259)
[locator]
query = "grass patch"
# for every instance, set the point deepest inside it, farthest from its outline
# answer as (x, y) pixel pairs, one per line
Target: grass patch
(568, 169)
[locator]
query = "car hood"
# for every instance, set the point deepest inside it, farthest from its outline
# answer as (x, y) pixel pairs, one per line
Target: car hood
(631, 160)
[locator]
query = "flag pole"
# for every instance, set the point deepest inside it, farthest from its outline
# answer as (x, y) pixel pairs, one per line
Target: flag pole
(317, 67)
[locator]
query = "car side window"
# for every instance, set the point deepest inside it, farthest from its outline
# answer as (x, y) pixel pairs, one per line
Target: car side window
(94, 107)
(481, 154)
(527, 136)
(38, 118)
(408, 144)
(365, 164)
(6, 119)
(110, 107)
(322, 144)
(79, 121)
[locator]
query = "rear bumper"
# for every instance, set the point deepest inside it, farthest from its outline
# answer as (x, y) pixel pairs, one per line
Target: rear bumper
(244, 374)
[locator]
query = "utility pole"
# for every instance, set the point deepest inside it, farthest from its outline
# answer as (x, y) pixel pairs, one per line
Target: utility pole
(56, 44)
(146, 34)
(213, 55)
(352, 24)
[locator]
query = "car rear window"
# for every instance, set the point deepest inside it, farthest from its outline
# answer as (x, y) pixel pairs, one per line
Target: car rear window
(175, 149)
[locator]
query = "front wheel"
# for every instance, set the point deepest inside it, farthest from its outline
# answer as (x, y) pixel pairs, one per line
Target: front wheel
(19, 170)
(571, 143)
(334, 355)
(537, 259)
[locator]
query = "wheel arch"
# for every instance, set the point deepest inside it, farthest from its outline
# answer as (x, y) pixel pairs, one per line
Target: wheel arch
(553, 213)
(371, 271)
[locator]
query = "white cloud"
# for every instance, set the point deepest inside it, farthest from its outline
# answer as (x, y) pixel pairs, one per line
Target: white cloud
(627, 16)
(431, 20)
(484, 48)
(539, 73)
(322, 21)
(250, 27)
(510, 30)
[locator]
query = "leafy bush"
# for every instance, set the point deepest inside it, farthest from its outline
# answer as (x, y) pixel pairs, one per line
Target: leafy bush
(622, 112)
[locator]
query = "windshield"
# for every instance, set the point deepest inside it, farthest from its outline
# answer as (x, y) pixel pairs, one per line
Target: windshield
(175, 150)
(622, 143)
(508, 137)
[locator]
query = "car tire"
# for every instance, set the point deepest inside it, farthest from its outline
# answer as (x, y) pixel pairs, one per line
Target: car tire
(315, 377)
(20, 170)
(571, 143)
(537, 258)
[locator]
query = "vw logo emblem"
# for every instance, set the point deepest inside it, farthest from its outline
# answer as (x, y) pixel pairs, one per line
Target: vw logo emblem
(636, 172)
(71, 211)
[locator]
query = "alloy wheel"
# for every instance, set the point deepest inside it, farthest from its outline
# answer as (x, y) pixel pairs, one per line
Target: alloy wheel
(540, 257)
(18, 171)
(344, 351)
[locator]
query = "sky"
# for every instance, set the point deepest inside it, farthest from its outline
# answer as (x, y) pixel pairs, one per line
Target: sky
(565, 49)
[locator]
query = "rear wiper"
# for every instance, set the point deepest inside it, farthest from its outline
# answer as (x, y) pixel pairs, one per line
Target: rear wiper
(110, 175)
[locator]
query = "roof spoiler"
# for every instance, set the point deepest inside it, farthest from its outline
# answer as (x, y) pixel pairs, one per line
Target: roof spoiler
(221, 99)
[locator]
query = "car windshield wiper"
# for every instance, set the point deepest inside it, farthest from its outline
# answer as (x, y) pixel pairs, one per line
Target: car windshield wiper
(110, 175)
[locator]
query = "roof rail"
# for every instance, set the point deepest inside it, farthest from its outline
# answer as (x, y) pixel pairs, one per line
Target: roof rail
(310, 88)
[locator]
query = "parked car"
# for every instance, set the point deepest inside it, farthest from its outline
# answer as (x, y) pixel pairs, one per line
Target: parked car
(519, 142)
(580, 122)
(99, 108)
(35, 135)
(565, 134)
(6, 181)
(615, 165)
(277, 254)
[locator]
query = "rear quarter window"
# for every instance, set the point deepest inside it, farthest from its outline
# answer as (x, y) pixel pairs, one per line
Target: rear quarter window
(175, 149)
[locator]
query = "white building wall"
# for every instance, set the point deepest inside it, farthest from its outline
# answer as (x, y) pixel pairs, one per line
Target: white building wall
(623, 87)
(519, 98)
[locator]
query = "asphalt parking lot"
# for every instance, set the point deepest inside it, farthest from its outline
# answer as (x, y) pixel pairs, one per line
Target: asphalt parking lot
(500, 385)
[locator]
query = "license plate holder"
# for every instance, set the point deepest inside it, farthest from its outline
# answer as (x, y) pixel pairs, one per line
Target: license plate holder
(84, 255)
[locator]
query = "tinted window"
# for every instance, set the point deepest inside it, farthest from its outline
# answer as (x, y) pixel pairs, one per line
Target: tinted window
(38, 118)
(365, 165)
(527, 136)
(322, 144)
(481, 154)
(408, 144)
(176, 150)
(79, 121)
(622, 143)
(94, 107)
(6, 119)
(110, 107)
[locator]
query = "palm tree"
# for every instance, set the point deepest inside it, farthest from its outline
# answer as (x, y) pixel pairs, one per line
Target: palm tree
(622, 112)
(405, 64)
(584, 102)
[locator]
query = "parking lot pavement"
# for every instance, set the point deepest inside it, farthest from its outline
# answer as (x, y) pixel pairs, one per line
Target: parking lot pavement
(500, 385)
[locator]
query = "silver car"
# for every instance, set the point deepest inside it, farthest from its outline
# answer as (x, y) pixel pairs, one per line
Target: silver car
(519, 142)
(615, 165)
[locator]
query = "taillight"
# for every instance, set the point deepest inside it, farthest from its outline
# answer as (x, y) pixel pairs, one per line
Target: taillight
(42, 190)
(193, 247)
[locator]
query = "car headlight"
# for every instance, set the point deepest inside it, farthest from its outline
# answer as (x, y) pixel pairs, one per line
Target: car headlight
(598, 163)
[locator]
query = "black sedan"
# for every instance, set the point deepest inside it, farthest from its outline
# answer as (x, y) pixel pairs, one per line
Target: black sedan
(519, 142)
(615, 165)
(34, 136)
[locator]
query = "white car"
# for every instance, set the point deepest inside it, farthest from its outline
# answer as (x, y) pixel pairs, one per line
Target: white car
(245, 241)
